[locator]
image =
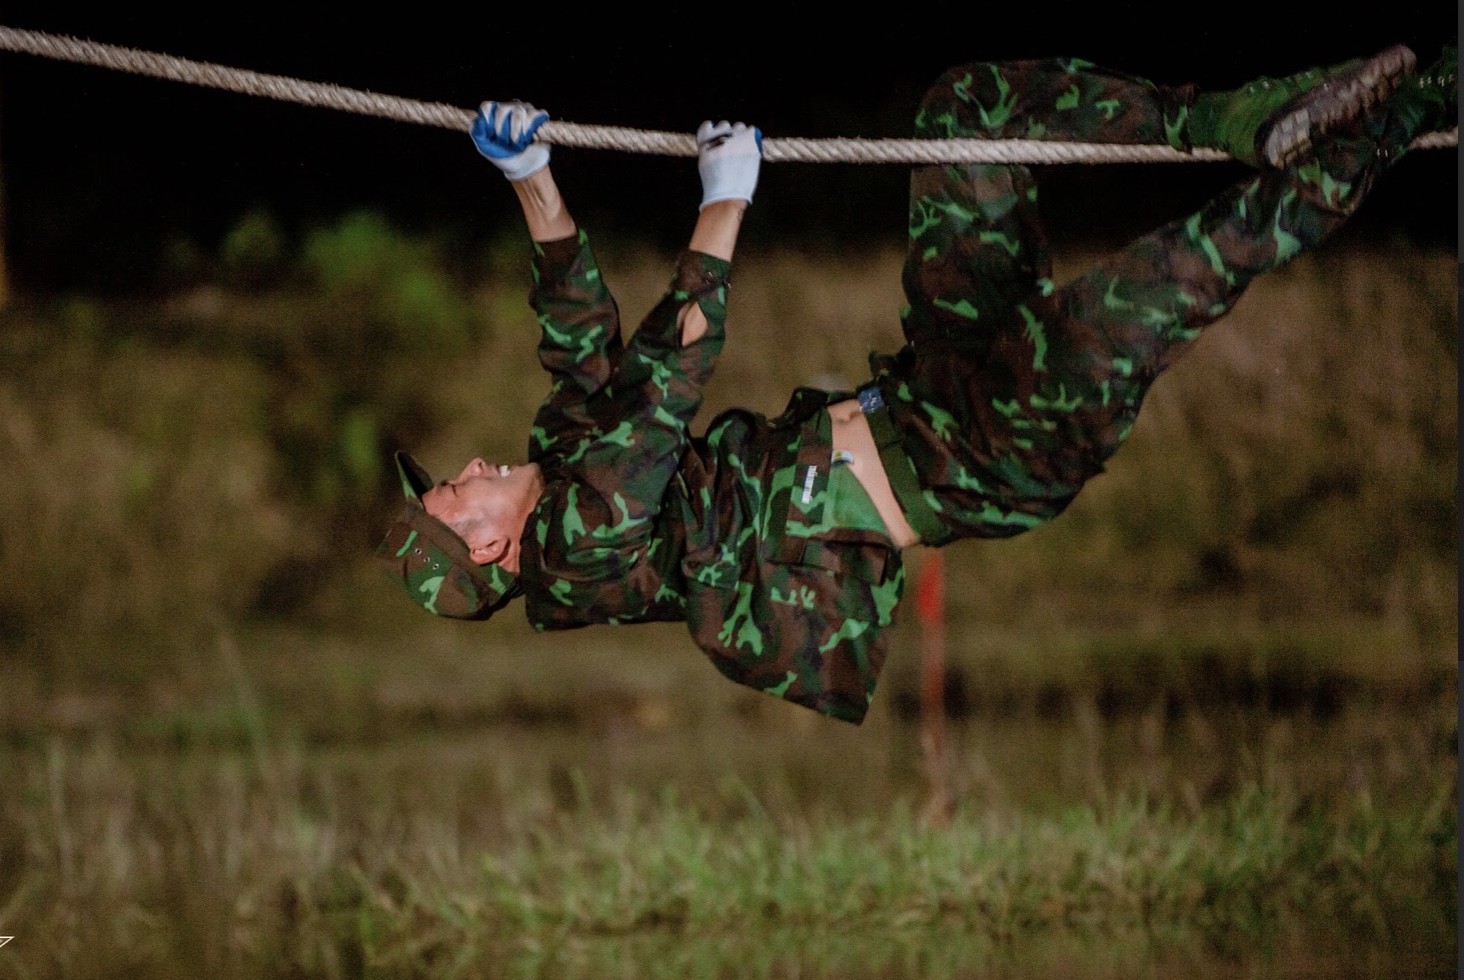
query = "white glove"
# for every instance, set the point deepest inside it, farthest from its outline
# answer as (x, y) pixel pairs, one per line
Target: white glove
(728, 156)
(504, 133)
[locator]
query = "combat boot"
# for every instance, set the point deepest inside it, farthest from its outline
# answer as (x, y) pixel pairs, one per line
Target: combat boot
(1272, 121)
(1429, 101)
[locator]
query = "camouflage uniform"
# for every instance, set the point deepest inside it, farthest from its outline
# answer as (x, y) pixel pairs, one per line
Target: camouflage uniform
(1008, 396)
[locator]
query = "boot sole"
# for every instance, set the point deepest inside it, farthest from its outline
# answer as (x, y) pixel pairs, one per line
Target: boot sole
(1287, 138)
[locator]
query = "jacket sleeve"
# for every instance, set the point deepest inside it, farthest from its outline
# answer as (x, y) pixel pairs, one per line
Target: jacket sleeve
(579, 341)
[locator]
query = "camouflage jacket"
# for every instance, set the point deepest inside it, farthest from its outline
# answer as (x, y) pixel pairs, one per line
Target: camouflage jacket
(641, 521)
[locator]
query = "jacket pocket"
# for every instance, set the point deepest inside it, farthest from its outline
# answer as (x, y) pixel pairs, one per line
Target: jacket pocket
(798, 514)
(710, 557)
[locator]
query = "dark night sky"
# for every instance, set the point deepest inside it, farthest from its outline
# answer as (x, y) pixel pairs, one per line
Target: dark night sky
(101, 168)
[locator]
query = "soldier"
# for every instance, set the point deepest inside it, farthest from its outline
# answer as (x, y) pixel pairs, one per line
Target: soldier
(778, 541)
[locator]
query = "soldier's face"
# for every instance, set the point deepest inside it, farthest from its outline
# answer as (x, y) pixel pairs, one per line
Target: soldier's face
(487, 506)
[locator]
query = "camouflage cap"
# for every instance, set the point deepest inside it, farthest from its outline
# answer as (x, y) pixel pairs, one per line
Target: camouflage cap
(432, 563)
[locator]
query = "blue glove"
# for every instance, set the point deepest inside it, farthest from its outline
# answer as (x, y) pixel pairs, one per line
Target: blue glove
(504, 133)
(728, 157)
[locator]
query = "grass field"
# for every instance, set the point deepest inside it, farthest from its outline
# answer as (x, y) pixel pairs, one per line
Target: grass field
(723, 834)
(1202, 725)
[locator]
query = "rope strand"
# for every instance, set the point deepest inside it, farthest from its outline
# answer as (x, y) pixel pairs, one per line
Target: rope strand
(587, 136)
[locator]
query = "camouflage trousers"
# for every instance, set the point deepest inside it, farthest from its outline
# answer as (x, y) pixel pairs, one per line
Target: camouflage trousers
(1011, 393)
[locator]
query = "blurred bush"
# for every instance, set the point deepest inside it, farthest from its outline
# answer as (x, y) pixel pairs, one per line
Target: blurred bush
(142, 489)
(391, 294)
(252, 253)
(183, 462)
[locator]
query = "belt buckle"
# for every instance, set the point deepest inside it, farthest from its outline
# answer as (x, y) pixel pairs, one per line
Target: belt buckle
(870, 399)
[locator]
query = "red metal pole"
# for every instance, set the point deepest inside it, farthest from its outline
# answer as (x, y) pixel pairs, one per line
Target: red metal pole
(930, 611)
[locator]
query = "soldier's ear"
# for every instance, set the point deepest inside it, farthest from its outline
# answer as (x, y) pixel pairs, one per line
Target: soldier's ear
(483, 554)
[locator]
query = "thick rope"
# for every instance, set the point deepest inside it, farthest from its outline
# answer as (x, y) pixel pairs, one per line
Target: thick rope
(581, 135)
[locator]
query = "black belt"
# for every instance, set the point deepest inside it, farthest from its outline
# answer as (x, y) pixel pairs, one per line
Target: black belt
(899, 469)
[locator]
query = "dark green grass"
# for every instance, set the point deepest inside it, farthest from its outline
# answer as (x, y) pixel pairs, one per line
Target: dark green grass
(447, 861)
(440, 822)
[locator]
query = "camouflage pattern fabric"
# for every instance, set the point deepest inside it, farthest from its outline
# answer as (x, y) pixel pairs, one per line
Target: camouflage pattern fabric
(1011, 393)
(731, 532)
